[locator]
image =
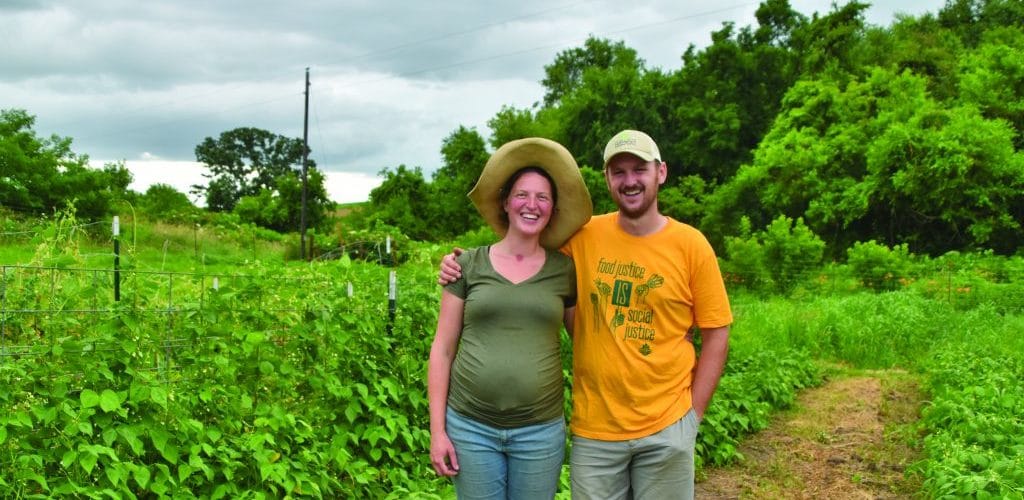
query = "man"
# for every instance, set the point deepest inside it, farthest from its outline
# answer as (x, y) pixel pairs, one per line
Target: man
(644, 282)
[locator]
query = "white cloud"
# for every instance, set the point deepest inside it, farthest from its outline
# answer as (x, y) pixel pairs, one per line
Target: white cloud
(347, 187)
(342, 187)
(390, 80)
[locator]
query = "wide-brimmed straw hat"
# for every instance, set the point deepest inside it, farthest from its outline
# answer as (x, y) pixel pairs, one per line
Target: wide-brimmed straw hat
(573, 208)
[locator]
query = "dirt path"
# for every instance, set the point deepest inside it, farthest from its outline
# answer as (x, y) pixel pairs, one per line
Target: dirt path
(848, 438)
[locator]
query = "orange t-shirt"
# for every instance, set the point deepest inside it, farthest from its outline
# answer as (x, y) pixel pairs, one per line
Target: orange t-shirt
(638, 297)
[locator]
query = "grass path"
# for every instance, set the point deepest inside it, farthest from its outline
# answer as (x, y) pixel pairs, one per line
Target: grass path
(851, 438)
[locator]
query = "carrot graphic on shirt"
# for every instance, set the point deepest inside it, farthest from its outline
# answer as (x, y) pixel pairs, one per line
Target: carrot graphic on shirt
(606, 291)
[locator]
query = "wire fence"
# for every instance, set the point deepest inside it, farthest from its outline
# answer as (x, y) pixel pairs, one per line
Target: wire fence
(42, 304)
(42, 307)
(164, 245)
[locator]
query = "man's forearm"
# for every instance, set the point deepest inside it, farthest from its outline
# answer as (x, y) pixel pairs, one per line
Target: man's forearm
(714, 351)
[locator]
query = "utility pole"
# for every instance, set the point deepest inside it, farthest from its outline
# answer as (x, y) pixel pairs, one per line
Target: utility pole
(305, 163)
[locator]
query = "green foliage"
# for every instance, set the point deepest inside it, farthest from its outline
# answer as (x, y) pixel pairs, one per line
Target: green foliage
(939, 177)
(727, 94)
(567, 73)
(42, 176)
(509, 124)
(464, 158)
(163, 202)
(778, 258)
(975, 436)
(881, 160)
(481, 236)
(276, 382)
(828, 41)
(281, 209)
(682, 199)
(989, 76)
(750, 389)
(254, 168)
(877, 266)
(967, 281)
(598, 188)
(270, 387)
(401, 200)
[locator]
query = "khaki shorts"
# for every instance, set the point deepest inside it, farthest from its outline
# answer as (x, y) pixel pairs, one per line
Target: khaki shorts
(653, 467)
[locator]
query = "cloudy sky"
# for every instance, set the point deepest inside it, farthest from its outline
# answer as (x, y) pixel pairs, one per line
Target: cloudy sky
(146, 81)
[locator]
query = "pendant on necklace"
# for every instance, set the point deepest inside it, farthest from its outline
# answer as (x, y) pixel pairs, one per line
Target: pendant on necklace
(519, 258)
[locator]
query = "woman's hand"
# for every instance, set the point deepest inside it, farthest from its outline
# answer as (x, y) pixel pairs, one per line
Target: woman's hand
(442, 455)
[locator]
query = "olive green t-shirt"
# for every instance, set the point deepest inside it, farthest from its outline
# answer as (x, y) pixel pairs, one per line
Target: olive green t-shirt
(508, 371)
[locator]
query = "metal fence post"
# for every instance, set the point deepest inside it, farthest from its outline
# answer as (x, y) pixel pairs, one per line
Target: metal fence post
(117, 259)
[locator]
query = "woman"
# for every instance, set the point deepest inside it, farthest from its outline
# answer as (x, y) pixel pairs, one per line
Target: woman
(495, 377)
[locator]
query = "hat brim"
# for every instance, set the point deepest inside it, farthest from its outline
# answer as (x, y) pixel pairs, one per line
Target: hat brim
(574, 207)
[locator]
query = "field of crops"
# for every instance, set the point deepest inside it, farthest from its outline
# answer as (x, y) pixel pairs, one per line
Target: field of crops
(274, 380)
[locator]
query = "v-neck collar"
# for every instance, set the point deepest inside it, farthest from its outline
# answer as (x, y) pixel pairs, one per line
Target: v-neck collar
(487, 253)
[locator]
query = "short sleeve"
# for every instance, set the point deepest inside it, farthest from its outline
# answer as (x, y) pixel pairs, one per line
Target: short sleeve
(570, 299)
(458, 287)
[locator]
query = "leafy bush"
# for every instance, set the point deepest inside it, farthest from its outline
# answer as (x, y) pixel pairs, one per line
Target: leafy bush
(975, 441)
(750, 389)
(163, 202)
(877, 266)
(267, 386)
(969, 281)
(778, 258)
(480, 236)
(745, 265)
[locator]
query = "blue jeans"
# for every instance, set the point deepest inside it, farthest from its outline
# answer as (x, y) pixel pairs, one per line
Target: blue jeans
(496, 463)
(659, 466)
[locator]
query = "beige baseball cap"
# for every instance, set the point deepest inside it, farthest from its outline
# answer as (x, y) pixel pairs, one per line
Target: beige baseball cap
(633, 142)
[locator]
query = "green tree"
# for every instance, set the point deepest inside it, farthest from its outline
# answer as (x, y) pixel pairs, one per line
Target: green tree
(991, 78)
(683, 198)
(566, 74)
(726, 96)
(828, 43)
(163, 201)
(947, 179)
(401, 200)
(281, 209)
(222, 193)
(250, 158)
(880, 159)
(970, 19)
(92, 191)
(606, 101)
(510, 124)
(922, 46)
(251, 162)
(598, 187)
(464, 157)
(289, 192)
(40, 175)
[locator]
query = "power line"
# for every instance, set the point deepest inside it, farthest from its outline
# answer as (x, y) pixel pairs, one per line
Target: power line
(398, 75)
(365, 55)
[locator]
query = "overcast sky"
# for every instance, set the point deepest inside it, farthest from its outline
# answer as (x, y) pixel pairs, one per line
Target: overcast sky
(146, 81)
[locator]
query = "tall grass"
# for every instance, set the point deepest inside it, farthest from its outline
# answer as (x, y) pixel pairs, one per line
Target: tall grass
(865, 330)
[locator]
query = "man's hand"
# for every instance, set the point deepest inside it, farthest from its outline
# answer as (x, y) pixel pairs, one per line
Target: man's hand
(450, 268)
(714, 349)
